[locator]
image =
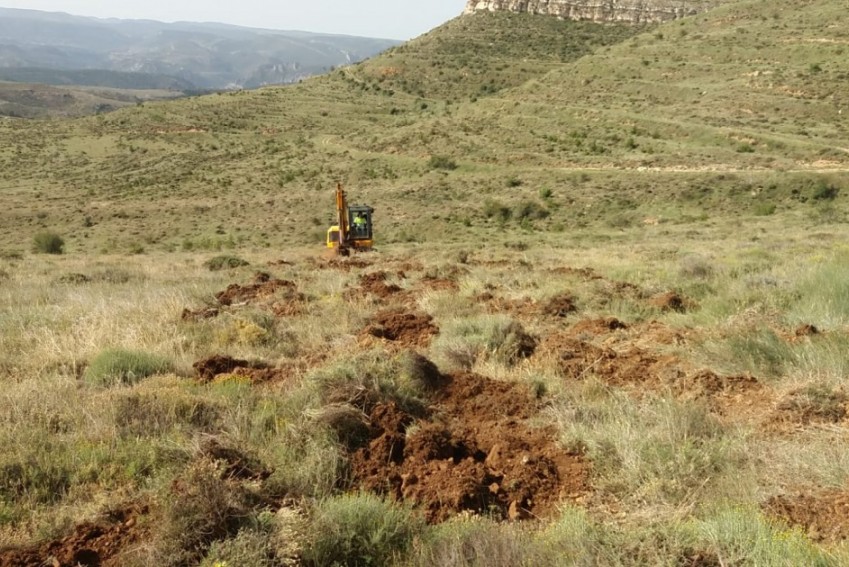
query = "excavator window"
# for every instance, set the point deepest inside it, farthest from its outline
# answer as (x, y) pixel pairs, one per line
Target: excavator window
(360, 223)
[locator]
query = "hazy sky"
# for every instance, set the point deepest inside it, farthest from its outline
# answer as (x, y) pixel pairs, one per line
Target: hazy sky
(393, 19)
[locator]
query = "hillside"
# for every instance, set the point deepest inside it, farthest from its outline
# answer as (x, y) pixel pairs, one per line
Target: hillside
(743, 118)
(606, 321)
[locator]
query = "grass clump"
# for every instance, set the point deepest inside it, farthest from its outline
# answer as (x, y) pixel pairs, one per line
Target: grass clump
(365, 379)
(203, 506)
(119, 366)
(660, 451)
(472, 541)
(250, 547)
(360, 530)
(465, 341)
(225, 262)
(47, 242)
(743, 536)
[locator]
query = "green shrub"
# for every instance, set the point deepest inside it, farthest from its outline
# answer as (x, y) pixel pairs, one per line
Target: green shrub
(530, 210)
(442, 162)
(225, 262)
(825, 192)
(360, 529)
(48, 243)
(249, 547)
(124, 366)
(493, 208)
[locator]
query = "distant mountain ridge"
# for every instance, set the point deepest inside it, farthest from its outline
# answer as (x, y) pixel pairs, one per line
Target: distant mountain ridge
(200, 55)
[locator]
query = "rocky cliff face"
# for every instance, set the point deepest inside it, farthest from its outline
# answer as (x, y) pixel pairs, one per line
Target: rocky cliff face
(632, 11)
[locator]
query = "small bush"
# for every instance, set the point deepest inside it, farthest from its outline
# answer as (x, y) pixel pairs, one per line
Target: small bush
(497, 209)
(48, 243)
(225, 262)
(696, 267)
(113, 366)
(249, 547)
(743, 536)
(825, 192)
(201, 507)
(442, 162)
(530, 210)
(464, 341)
(360, 529)
(473, 541)
(141, 414)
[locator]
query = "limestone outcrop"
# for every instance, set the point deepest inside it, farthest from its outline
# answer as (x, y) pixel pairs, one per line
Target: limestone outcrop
(626, 11)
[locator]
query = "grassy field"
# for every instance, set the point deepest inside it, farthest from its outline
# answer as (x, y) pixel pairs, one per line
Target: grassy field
(606, 322)
(695, 375)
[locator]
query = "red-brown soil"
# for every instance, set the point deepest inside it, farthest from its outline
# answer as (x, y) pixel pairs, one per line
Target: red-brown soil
(210, 368)
(199, 314)
(476, 452)
(343, 264)
(595, 327)
(375, 283)
(403, 328)
(559, 306)
(440, 284)
(738, 398)
(806, 330)
(823, 515)
(811, 405)
(262, 287)
(583, 273)
(670, 301)
(91, 544)
(580, 359)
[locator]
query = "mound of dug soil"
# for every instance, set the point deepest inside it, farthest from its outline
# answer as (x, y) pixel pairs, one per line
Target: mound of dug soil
(375, 283)
(216, 365)
(594, 327)
(580, 359)
(92, 544)
(559, 306)
(824, 515)
(813, 404)
(476, 452)
(263, 286)
(670, 301)
(403, 328)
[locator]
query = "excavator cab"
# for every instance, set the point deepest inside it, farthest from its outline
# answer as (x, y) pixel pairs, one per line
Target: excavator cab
(359, 219)
(353, 228)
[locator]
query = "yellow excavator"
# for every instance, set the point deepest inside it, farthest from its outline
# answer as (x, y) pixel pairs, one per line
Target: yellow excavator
(353, 228)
